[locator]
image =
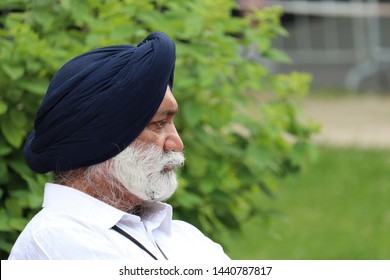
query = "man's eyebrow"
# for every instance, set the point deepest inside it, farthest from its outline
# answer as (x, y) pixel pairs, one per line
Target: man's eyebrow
(168, 112)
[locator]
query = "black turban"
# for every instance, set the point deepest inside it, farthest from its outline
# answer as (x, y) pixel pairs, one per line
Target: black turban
(98, 103)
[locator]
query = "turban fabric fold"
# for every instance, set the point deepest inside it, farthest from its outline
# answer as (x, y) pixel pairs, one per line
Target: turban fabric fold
(98, 103)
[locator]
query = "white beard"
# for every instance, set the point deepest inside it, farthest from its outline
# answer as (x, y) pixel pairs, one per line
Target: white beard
(147, 171)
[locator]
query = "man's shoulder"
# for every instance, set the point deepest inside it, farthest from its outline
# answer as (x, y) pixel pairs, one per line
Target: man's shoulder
(186, 235)
(49, 234)
(188, 231)
(48, 223)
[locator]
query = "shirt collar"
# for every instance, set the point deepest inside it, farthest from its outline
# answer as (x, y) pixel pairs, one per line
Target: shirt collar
(159, 216)
(82, 206)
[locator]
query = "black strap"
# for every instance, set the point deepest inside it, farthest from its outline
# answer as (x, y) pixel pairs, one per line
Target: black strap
(161, 252)
(135, 241)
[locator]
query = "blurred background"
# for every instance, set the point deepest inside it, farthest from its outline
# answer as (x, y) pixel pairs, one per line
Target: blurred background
(252, 188)
(339, 206)
(345, 44)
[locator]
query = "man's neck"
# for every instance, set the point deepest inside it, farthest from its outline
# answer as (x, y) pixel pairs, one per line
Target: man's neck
(104, 188)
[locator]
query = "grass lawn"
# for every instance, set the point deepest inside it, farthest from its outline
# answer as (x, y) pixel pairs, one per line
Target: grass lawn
(337, 208)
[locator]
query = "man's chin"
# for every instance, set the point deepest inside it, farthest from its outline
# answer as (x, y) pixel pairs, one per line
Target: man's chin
(165, 198)
(152, 195)
(162, 196)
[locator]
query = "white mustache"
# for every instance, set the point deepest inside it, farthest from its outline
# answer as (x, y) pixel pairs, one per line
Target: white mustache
(172, 160)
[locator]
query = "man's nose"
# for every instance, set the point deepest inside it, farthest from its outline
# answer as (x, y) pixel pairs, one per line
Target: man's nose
(173, 141)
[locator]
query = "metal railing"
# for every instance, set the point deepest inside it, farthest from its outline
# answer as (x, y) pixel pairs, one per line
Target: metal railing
(334, 32)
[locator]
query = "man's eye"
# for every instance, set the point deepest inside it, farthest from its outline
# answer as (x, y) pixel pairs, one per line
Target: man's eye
(160, 124)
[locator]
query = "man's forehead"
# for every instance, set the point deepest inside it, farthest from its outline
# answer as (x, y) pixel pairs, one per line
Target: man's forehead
(169, 105)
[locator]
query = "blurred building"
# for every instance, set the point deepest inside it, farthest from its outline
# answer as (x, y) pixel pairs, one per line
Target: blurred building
(343, 43)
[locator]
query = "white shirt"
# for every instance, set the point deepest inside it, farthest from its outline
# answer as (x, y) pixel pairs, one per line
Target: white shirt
(74, 226)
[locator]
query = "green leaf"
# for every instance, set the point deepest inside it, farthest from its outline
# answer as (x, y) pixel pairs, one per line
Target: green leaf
(15, 4)
(35, 195)
(36, 86)
(3, 170)
(192, 113)
(18, 223)
(20, 167)
(257, 158)
(18, 118)
(6, 245)
(14, 72)
(14, 206)
(4, 148)
(197, 166)
(80, 11)
(189, 200)
(12, 134)
(207, 187)
(35, 200)
(3, 108)
(4, 221)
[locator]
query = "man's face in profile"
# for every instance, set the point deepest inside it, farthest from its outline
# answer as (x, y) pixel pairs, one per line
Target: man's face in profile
(147, 167)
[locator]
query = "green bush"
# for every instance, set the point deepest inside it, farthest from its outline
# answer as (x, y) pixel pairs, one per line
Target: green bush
(237, 141)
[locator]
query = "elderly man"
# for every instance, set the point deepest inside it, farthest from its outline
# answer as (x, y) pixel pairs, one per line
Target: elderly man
(105, 129)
